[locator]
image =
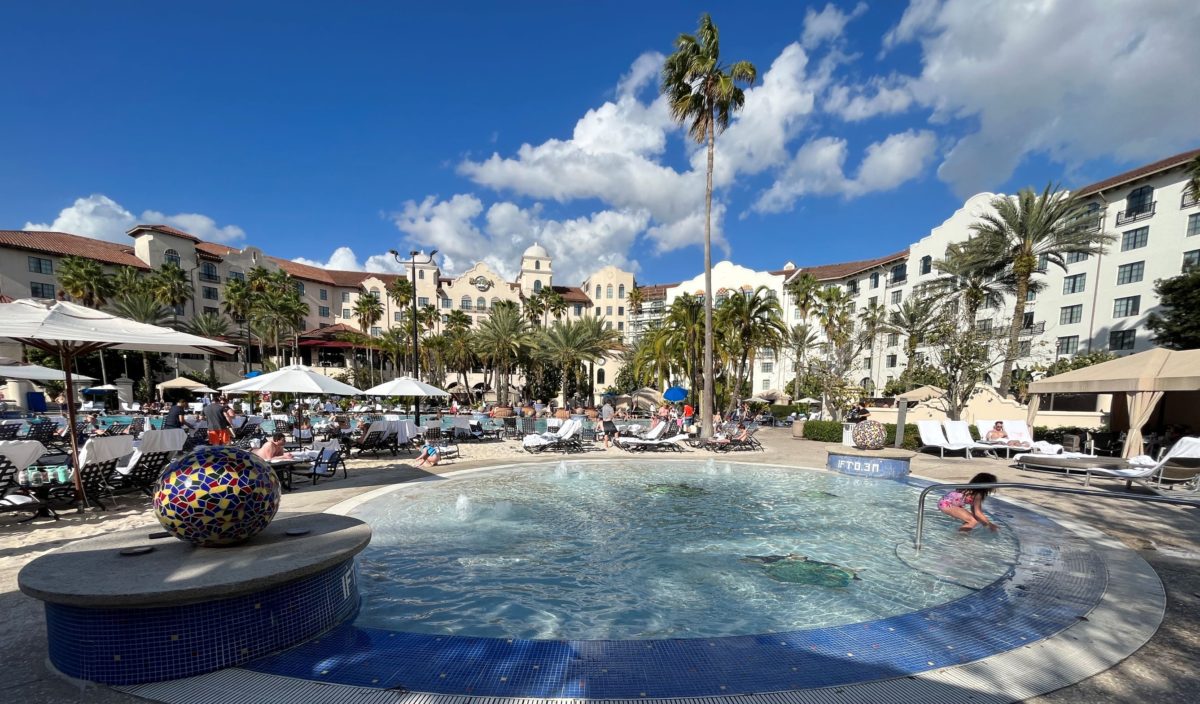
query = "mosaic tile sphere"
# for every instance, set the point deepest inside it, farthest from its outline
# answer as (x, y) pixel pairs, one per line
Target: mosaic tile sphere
(216, 496)
(869, 435)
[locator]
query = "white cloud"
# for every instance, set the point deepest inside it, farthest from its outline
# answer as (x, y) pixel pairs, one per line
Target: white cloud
(818, 168)
(100, 217)
(1071, 80)
(344, 259)
(828, 24)
(643, 72)
(878, 96)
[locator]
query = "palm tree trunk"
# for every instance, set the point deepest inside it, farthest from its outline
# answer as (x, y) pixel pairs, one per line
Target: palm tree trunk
(146, 377)
(1014, 333)
(706, 402)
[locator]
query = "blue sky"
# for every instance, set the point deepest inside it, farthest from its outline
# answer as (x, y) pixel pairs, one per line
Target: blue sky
(336, 132)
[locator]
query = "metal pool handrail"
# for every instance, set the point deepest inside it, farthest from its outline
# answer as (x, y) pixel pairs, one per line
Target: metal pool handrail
(1040, 487)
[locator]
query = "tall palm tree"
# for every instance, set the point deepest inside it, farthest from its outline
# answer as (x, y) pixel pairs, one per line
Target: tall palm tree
(535, 307)
(873, 321)
(704, 93)
(913, 319)
(211, 326)
(502, 340)
(172, 287)
(368, 309)
(127, 278)
(461, 357)
(457, 320)
(142, 306)
(84, 280)
(1017, 236)
(571, 343)
(685, 328)
(400, 291)
(238, 304)
(750, 322)
(556, 305)
(636, 300)
(801, 339)
(278, 309)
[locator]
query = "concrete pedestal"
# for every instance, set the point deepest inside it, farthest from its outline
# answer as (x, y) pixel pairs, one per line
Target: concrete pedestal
(120, 614)
(880, 464)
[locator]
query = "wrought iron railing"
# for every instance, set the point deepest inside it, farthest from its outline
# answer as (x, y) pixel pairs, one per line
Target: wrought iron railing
(1127, 216)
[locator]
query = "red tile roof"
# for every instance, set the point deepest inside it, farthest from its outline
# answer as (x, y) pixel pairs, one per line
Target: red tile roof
(825, 272)
(1142, 171)
(61, 244)
(325, 332)
(572, 294)
(657, 292)
(164, 229)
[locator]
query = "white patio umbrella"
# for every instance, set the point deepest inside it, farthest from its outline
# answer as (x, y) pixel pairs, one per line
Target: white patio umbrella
(296, 379)
(36, 372)
(106, 387)
(405, 386)
(70, 330)
(202, 390)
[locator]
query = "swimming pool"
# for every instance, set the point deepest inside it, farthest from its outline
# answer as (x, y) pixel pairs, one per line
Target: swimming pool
(643, 550)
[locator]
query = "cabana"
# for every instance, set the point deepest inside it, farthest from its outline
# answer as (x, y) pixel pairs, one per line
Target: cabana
(1142, 378)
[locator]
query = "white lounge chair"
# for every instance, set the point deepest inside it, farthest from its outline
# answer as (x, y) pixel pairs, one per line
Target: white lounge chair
(1183, 449)
(932, 437)
(642, 444)
(959, 433)
(565, 438)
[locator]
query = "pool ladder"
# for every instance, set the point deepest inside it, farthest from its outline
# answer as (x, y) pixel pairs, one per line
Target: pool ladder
(1041, 487)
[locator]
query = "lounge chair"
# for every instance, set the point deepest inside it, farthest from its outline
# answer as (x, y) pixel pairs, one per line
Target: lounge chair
(371, 440)
(1181, 464)
(146, 465)
(15, 457)
(565, 439)
(656, 445)
(959, 433)
(932, 437)
(97, 461)
(325, 466)
(9, 431)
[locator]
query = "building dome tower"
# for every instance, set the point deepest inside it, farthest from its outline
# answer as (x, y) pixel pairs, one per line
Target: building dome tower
(536, 271)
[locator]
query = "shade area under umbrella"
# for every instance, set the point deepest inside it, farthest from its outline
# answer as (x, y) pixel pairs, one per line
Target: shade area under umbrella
(296, 379)
(405, 386)
(675, 393)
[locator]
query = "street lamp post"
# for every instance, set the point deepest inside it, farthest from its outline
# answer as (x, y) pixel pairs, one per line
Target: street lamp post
(416, 357)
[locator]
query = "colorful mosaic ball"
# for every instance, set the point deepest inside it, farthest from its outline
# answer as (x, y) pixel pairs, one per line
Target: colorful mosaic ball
(216, 496)
(869, 435)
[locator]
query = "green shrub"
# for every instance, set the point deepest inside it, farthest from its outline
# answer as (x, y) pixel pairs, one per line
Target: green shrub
(831, 431)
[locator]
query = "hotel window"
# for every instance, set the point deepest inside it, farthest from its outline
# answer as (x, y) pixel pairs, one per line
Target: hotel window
(324, 293)
(1027, 320)
(210, 293)
(866, 363)
(893, 339)
(608, 291)
(597, 310)
(396, 317)
(1075, 283)
(768, 367)
(872, 301)
(608, 325)
(373, 292)
(1121, 340)
(620, 310)
(991, 300)
(376, 332)
(621, 292)
(896, 297)
(1125, 307)
(1191, 259)
(875, 280)
(983, 324)
(421, 274)
(1073, 257)
(1193, 226)
(210, 310)
(38, 265)
(1140, 200)
(1135, 239)
(926, 264)
(208, 272)
(346, 313)
(447, 303)
(300, 289)
(1068, 345)
(608, 310)
(237, 275)
(323, 311)
(345, 296)
(1030, 296)
(423, 301)
(1024, 347)
(852, 286)
(480, 303)
(597, 291)
(891, 361)
(578, 310)
(537, 286)
(600, 376)
(40, 290)
(1130, 273)
(620, 325)
(171, 257)
(465, 303)
(1069, 315)
(537, 266)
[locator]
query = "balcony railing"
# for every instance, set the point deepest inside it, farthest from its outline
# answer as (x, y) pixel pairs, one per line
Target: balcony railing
(210, 278)
(1127, 216)
(896, 281)
(1036, 329)
(1189, 199)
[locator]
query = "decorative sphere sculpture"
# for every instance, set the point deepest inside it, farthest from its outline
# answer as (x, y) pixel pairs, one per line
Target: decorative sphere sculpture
(869, 435)
(216, 496)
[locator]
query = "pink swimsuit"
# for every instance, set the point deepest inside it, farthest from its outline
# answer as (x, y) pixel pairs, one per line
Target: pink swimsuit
(955, 498)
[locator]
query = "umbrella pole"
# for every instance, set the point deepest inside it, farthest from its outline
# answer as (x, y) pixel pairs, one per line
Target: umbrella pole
(66, 358)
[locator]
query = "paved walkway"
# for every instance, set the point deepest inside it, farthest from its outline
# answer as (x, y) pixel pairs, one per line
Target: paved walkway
(1168, 537)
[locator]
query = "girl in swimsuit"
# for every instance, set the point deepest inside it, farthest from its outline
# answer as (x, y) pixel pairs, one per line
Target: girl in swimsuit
(967, 505)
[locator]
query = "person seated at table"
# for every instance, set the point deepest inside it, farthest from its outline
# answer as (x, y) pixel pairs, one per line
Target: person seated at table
(999, 435)
(272, 449)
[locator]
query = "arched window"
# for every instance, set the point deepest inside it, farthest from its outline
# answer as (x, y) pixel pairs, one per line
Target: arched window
(466, 303)
(374, 292)
(537, 265)
(597, 290)
(926, 264)
(875, 280)
(421, 274)
(300, 288)
(208, 269)
(495, 301)
(621, 292)
(1140, 200)
(608, 291)
(599, 376)
(171, 257)
(480, 303)
(537, 286)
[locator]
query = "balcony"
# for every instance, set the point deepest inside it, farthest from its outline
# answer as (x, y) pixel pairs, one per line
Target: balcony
(210, 278)
(1190, 199)
(1128, 216)
(1036, 329)
(895, 281)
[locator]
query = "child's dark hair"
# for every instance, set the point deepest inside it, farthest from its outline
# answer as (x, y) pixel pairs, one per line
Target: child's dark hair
(983, 478)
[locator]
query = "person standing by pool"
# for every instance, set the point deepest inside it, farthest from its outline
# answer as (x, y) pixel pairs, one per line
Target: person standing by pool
(218, 423)
(967, 504)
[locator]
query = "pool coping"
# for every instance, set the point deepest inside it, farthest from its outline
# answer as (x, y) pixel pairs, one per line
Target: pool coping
(1127, 615)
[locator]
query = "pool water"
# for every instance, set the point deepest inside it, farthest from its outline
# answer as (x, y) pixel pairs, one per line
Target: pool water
(646, 549)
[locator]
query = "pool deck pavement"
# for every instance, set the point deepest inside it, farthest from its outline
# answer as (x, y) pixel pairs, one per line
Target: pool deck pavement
(1167, 537)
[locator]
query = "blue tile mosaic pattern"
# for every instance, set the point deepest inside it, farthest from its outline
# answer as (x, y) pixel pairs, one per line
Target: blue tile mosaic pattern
(130, 646)
(1057, 579)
